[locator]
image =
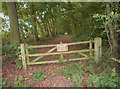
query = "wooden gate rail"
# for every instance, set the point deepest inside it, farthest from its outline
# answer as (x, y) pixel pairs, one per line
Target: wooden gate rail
(56, 61)
(53, 45)
(55, 53)
(97, 52)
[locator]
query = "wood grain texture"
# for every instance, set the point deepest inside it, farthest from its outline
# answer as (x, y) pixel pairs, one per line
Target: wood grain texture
(23, 56)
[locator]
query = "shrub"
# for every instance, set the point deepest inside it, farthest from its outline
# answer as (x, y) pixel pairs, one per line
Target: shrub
(10, 51)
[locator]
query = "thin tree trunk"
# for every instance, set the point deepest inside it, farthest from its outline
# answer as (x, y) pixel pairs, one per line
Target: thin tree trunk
(41, 26)
(46, 31)
(112, 33)
(108, 36)
(72, 22)
(33, 21)
(49, 30)
(53, 27)
(14, 27)
(35, 31)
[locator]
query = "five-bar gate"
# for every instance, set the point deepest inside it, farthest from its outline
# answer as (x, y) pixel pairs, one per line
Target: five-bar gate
(62, 48)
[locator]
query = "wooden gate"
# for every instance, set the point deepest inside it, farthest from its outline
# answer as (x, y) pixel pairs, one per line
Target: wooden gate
(62, 48)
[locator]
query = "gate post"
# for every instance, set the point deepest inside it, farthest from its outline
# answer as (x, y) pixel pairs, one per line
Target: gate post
(98, 49)
(23, 56)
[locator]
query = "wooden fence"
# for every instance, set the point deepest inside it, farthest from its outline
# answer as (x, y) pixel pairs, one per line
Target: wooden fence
(97, 50)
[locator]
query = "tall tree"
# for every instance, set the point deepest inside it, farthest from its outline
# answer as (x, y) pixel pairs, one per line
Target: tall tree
(73, 24)
(33, 21)
(14, 27)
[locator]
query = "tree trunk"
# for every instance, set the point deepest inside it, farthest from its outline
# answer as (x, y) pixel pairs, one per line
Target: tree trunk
(112, 33)
(46, 30)
(14, 27)
(73, 20)
(35, 31)
(33, 21)
(41, 26)
(54, 27)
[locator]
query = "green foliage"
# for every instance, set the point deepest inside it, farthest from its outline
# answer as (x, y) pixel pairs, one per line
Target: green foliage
(10, 51)
(107, 17)
(86, 28)
(39, 75)
(5, 37)
(69, 70)
(10, 76)
(5, 83)
(105, 77)
(19, 63)
(46, 38)
(74, 72)
(18, 81)
(32, 50)
(59, 60)
(118, 31)
(56, 18)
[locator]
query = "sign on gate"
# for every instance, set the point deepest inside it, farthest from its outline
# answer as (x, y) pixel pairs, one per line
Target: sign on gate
(62, 47)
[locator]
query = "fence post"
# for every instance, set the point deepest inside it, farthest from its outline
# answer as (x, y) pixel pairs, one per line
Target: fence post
(23, 56)
(98, 49)
(90, 45)
(61, 55)
(27, 53)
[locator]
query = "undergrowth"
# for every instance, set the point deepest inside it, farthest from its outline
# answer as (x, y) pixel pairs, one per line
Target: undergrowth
(39, 75)
(98, 74)
(10, 51)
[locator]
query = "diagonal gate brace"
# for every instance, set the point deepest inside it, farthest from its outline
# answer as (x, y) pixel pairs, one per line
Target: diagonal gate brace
(83, 54)
(43, 56)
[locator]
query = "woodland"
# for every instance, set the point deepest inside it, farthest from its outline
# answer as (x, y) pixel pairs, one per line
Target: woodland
(43, 23)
